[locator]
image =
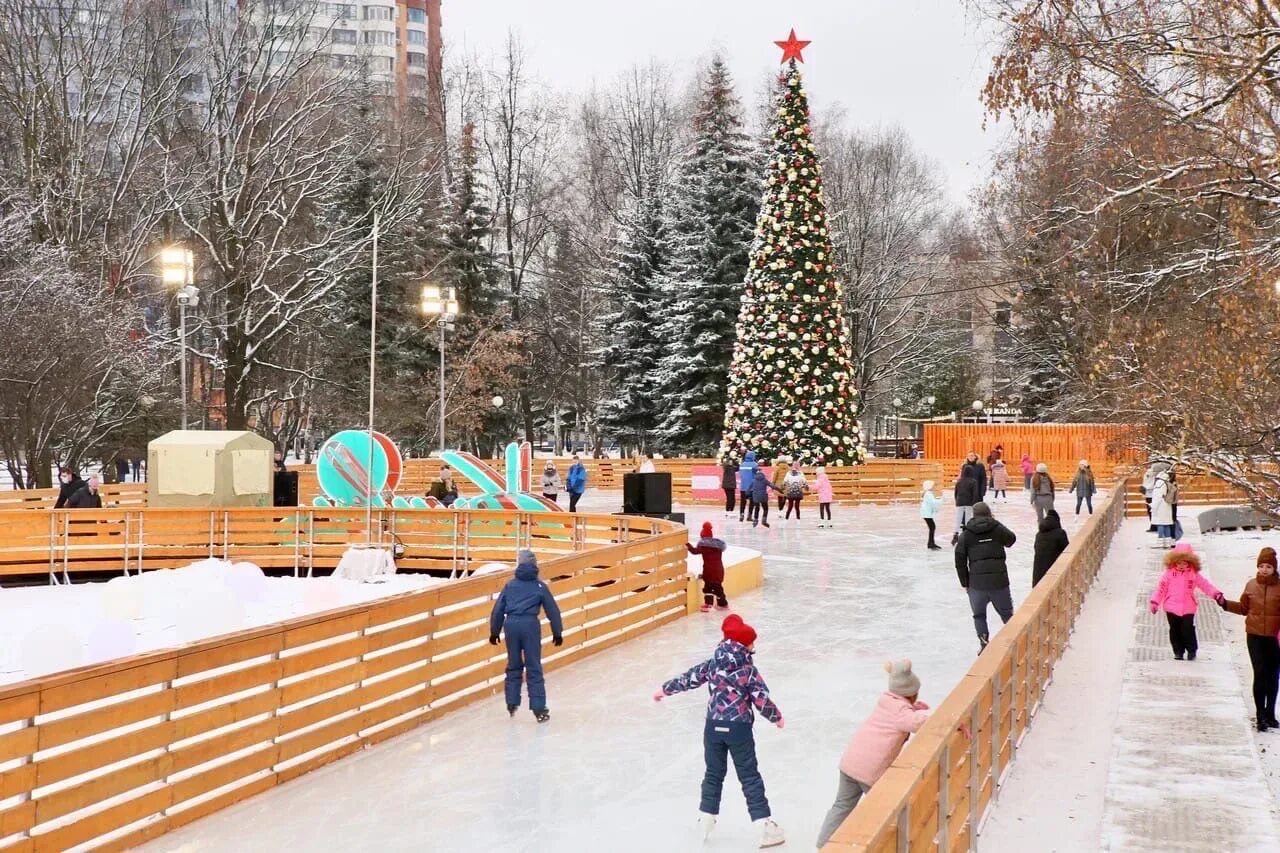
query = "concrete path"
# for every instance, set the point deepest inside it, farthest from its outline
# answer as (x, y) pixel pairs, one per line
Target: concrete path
(1133, 750)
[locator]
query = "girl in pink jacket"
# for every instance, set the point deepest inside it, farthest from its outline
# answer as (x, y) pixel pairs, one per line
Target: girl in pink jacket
(825, 495)
(877, 743)
(1176, 595)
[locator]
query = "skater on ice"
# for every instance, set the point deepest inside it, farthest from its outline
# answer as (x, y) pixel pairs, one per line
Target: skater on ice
(711, 550)
(966, 495)
(1042, 491)
(1051, 541)
(760, 487)
(929, 505)
(550, 482)
(826, 494)
(1175, 594)
(781, 468)
(999, 479)
(795, 487)
(729, 482)
(517, 610)
(983, 570)
(1083, 486)
(746, 477)
(737, 690)
(576, 484)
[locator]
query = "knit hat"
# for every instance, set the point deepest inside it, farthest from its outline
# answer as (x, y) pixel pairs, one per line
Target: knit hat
(735, 629)
(1267, 555)
(928, 485)
(902, 681)
(706, 530)
(1042, 468)
(981, 509)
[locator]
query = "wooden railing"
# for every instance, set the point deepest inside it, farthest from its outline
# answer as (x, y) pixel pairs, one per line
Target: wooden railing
(113, 494)
(112, 755)
(935, 795)
(1101, 444)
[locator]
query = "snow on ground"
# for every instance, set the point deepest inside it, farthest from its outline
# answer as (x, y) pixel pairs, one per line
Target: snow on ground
(1162, 755)
(613, 769)
(51, 628)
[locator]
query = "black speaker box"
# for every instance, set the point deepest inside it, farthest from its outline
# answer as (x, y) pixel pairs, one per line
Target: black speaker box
(648, 494)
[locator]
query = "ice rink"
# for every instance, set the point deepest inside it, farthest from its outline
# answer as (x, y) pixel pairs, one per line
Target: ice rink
(613, 770)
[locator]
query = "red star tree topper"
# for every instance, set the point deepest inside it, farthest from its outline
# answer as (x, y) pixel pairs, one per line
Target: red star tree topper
(792, 47)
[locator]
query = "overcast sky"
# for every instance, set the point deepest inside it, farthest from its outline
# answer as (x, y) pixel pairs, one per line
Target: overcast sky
(915, 63)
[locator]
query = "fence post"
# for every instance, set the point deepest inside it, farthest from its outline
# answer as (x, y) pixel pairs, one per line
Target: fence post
(904, 828)
(944, 794)
(975, 776)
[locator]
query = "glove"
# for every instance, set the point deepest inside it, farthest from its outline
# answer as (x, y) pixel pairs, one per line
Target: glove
(493, 639)
(1221, 599)
(659, 696)
(781, 723)
(1154, 608)
(557, 640)
(922, 706)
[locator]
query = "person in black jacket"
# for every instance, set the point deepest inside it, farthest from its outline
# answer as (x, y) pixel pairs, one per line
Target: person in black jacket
(1051, 541)
(983, 572)
(86, 498)
(966, 495)
(978, 472)
(70, 484)
(729, 482)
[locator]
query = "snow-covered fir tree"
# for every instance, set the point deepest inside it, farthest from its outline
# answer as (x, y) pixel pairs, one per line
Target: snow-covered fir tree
(470, 265)
(790, 392)
(634, 346)
(710, 224)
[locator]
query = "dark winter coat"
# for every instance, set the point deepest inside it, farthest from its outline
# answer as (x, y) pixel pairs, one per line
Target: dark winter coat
(712, 551)
(85, 499)
(736, 685)
(729, 476)
(1083, 484)
(1051, 541)
(978, 473)
(523, 596)
(746, 471)
(980, 557)
(966, 490)
(67, 490)
(760, 487)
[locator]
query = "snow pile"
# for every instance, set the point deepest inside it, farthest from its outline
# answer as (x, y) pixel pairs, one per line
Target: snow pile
(49, 629)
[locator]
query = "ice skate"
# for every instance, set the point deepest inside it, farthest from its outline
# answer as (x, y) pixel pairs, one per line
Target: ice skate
(722, 607)
(708, 824)
(770, 834)
(542, 716)
(511, 710)
(765, 523)
(706, 608)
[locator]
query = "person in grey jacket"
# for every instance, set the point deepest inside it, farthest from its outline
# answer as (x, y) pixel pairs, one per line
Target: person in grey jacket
(550, 482)
(516, 610)
(1041, 491)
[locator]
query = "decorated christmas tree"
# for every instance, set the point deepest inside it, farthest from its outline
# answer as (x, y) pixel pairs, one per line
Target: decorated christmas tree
(790, 390)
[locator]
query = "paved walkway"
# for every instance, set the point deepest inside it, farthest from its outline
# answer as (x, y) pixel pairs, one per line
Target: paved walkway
(1133, 750)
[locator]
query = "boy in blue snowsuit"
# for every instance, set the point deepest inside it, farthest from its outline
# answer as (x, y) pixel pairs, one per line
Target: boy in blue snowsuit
(760, 487)
(517, 606)
(745, 471)
(577, 482)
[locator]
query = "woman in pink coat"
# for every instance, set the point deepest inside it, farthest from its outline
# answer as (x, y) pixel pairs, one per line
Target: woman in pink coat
(1028, 468)
(826, 494)
(1176, 595)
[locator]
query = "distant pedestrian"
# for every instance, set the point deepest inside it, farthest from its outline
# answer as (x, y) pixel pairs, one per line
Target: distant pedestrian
(136, 466)
(966, 495)
(898, 714)
(646, 465)
(1259, 604)
(712, 551)
(781, 468)
(1051, 541)
(443, 488)
(746, 476)
(69, 483)
(736, 688)
(550, 482)
(729, 483)
(1155, 467)
(516, 610)
(794, 487)
(1041, 491)
(1028, 468)
(999, 479)
(929, 505)
(122, 469)
(1175, 594)
(88, 497)
(983, 569)
(577, 482)
(826, 496)
(1162, 510)
(1083, 485)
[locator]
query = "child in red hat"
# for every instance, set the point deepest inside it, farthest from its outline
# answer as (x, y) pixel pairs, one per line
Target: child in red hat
(712, 551)
(736, 688)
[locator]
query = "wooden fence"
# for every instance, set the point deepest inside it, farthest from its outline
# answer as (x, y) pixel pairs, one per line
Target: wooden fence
(936, 794)
(1195, 488)
(113, 494)
(1104, 445)
(109, 756)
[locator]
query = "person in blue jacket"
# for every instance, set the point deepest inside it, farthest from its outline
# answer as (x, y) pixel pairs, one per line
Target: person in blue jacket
(745, 472)
(760, 487)
(517, 607)
(576, 483)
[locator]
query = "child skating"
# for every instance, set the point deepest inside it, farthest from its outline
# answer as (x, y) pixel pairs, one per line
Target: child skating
(794, 487)
(1175, 594)
(517, 610)
(929, 506)
(712, 551)
(826, 495)
(897, 715)
(1000, 478)
(736, 687)
(760, 487)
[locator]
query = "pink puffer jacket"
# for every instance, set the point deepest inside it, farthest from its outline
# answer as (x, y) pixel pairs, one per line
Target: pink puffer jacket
(1176, 592)
(878, 741)
(824, 489)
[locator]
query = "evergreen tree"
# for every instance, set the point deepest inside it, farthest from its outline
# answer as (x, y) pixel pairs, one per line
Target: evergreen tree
(713, 215)
(634, 347)
(470, 263)
(790, 383)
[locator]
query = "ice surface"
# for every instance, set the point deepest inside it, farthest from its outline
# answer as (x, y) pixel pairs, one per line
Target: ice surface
(614, 770)
(51, 628)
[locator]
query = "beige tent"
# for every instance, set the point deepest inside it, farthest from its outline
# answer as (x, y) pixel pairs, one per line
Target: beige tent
(209, 468)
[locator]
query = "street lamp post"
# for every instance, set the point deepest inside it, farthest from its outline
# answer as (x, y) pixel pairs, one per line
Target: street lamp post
(897, 425)
(177, 266)
(441, 303)
(977, 411)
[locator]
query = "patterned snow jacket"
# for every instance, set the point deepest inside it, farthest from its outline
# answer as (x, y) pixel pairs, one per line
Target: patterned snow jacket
(735, 683)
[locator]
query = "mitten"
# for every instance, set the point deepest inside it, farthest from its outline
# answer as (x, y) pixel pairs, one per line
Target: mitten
(659, 696)
(557, 640)
(493, 639)
(781, 723)
(1154, 608)
(1220, 598)
(922, 706)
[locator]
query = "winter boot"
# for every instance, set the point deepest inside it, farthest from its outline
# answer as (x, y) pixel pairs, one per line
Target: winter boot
(511, 709)
(1271, 720)
(770, 833)
(765, 523)
(1177, 655)
(1191, 655)
(1262, 724)
(542, 716)
(708, 823)
(983, 639)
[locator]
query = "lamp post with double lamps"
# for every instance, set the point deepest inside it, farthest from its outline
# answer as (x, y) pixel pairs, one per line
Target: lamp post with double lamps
(177, 266)
(442, 304)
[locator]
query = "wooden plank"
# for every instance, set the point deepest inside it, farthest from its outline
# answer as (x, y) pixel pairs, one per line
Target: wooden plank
(75, 762)
(105, 718)
(99, 788)
(121, 678)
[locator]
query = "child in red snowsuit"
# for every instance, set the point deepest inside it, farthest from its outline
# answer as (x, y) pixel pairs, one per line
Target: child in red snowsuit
(712, 551)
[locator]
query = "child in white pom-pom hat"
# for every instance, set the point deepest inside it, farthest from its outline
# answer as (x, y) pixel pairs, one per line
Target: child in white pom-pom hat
(877, 743)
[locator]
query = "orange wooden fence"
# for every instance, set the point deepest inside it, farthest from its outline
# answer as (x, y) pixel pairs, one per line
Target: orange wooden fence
(113, 494)
(109, 756)
(936, 793)
(1103, 445)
